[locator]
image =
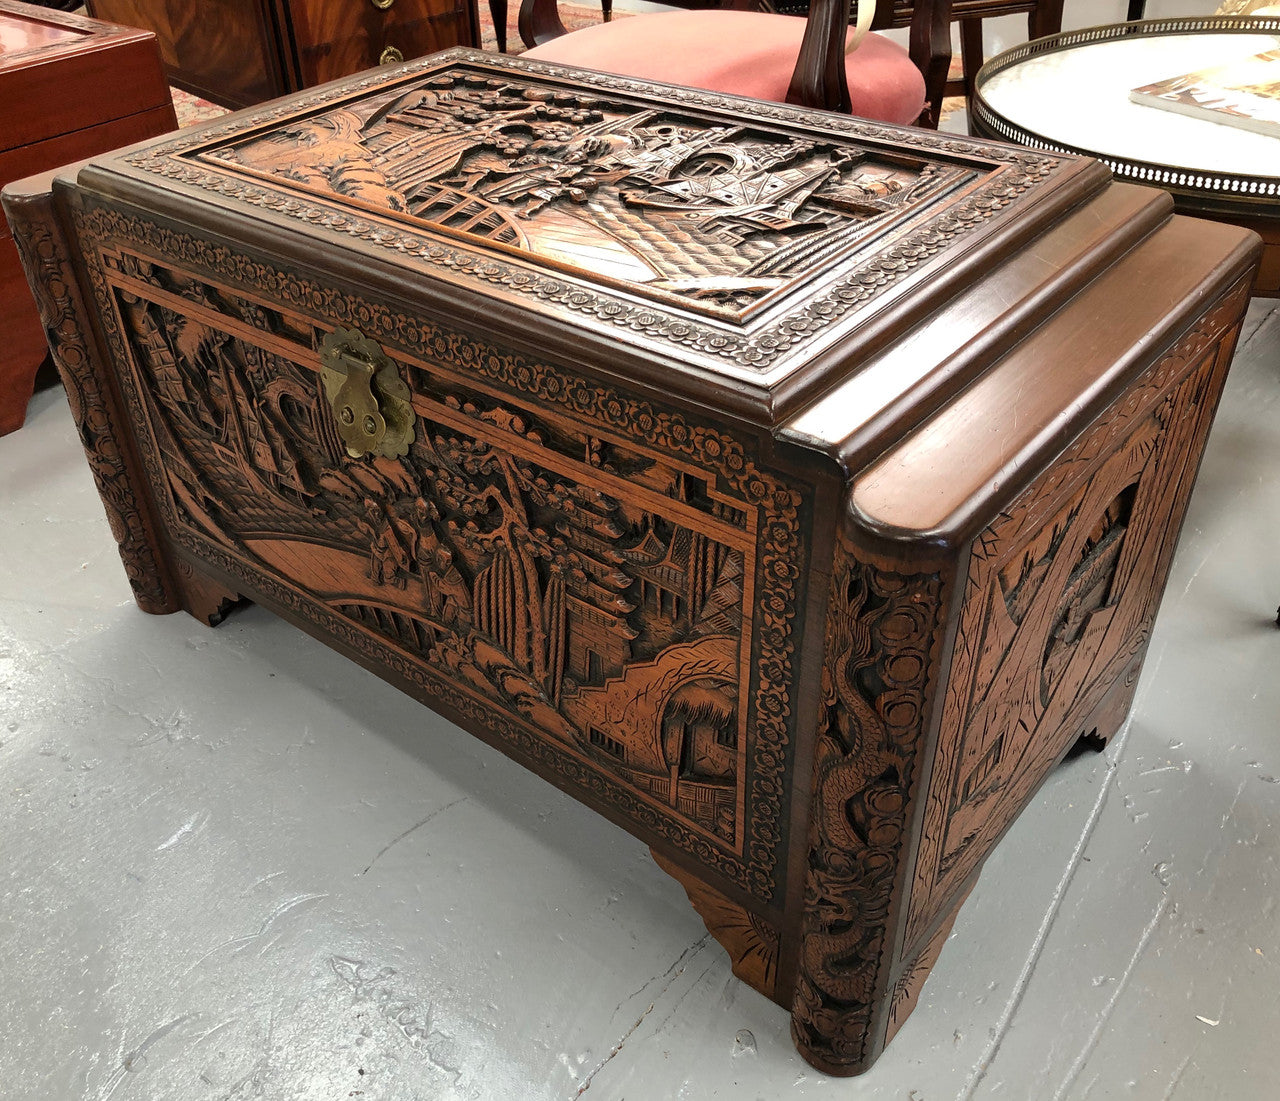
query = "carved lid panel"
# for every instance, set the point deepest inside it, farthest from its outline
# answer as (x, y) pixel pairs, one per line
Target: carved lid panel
(737, 239)
(696, 213)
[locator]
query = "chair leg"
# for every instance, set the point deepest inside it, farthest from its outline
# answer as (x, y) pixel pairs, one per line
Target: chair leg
(1046, 17)
(1137, 10)
(929, 45)
(970, 52)
(498, 12)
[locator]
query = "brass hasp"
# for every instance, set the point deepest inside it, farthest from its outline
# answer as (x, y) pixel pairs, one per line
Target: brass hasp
(370, 402)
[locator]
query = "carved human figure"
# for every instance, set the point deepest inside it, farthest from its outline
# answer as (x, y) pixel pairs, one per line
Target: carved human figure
(387, 555)
(451, 589)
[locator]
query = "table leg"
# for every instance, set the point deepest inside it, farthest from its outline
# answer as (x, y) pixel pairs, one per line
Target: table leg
(970, 51)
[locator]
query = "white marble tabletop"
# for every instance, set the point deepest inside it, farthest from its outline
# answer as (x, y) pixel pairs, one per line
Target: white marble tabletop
(1079, 97)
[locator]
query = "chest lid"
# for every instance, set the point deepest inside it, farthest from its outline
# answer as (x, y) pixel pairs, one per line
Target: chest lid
(741, 252)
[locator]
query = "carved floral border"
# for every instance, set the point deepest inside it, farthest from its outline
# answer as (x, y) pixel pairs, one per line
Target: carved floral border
(778, 559)
(761, 347)
(883, 639)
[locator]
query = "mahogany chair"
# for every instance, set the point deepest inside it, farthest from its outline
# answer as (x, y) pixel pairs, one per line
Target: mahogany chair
(1044, 17)
(767, 55)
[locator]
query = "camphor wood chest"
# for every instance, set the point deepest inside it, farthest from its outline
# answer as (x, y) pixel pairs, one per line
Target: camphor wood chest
(793, 490)
(69, 87)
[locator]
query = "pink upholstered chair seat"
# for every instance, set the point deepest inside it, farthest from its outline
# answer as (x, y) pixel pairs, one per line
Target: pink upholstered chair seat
(747, 53)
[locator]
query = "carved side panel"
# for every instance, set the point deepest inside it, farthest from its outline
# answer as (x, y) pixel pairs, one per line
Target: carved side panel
(603, 583)
(1059, 602)
(883, 634)
(52, 279)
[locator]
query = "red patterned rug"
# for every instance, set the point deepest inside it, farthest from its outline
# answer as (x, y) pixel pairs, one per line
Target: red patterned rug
(191, 109)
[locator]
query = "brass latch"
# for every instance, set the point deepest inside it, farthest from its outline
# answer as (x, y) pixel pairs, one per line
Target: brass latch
(370, 402)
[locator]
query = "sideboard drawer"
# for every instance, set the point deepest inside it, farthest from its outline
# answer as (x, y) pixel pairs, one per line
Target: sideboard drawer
(333, 39)
(241, 52)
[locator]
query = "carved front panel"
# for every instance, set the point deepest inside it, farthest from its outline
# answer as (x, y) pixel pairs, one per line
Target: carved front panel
(1060, 598)
(607, 584)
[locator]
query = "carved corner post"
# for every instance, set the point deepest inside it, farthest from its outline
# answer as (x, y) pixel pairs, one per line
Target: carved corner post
(833, 960)
(883, 642)
(43, 245)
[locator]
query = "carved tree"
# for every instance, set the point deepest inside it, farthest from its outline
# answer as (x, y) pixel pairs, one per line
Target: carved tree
(532, 538)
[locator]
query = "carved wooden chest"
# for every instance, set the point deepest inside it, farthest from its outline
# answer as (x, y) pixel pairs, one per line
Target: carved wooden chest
(69, 87)
(791, 489)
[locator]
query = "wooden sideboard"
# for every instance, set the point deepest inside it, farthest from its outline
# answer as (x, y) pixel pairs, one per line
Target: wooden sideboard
(69, 88)
(241, 52)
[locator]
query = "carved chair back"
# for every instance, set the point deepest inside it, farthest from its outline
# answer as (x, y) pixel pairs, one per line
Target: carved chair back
(1044, 17)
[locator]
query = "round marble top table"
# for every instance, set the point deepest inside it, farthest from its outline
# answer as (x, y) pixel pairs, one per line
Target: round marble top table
(1070, 94)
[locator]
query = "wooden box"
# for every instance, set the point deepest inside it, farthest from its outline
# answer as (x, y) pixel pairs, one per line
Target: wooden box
(793, 490)
(241, 52)
(69, 87)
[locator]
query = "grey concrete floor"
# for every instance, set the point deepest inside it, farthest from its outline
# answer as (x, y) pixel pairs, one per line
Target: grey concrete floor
(234, 865)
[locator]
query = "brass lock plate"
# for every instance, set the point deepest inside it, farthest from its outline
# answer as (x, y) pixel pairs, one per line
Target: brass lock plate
(371, 403)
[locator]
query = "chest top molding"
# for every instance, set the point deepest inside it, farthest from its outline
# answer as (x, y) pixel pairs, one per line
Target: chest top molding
(739, 231)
